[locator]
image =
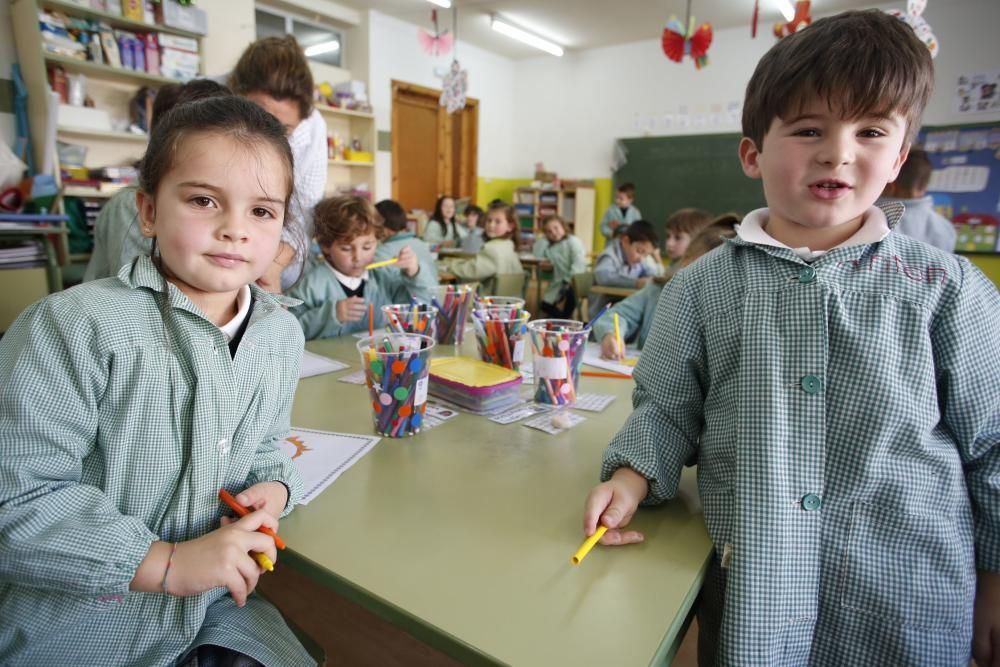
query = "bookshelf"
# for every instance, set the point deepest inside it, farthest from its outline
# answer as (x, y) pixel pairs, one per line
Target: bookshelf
(574, 204)
(111, 89)
(344, 176)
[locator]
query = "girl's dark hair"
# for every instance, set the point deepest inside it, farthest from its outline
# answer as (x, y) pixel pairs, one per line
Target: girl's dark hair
(508, 212)
(235, 117)
(275, 66)
(393, 215)
(478, 212)
(438, 217)
(172, 94)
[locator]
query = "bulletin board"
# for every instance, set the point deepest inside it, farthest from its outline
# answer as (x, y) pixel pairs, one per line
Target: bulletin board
(965, 183)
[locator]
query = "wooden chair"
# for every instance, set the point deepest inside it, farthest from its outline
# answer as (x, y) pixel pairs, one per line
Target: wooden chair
(581, 283)
(508, 284)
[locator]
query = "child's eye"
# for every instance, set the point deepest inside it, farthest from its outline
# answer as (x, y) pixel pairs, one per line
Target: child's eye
(261, 212)
(203, 202)
(807, 132)
(872, 132)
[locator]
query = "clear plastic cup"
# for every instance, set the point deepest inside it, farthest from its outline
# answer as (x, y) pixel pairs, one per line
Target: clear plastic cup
(500, 302)
(411, 319)
(396, 368)
(558, 347)
(454, 303)
(500, 335)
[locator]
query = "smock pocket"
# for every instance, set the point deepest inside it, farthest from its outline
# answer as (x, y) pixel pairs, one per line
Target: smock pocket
(908, 569)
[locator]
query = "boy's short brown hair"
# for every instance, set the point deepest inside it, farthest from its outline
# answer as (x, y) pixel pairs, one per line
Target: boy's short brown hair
(915, 174)
(860, 62)
(340, 219)
(687, 221)
(275, 66)
(627, 189)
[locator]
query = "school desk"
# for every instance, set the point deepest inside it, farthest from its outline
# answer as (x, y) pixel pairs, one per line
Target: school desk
(462, 535)
(613, 291)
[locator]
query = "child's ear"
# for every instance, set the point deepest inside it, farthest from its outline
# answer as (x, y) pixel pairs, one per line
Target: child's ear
(146, 205)
(904, 153)
(749, 157)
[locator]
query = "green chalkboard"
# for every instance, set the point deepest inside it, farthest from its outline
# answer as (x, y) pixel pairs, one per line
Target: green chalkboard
(701, 171)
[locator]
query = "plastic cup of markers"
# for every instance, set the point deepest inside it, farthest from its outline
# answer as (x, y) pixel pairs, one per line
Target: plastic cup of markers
(500, 335)
(557, 346)
(396, 369)
(454, 303)
(411, 319)
(501, 302)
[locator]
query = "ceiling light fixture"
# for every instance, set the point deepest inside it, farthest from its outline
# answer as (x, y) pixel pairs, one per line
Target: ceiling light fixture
(520, 35)
(441, 3)
(786, 9)
(321, 48)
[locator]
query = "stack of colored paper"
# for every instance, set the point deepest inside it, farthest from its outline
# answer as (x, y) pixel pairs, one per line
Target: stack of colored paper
(474, 385)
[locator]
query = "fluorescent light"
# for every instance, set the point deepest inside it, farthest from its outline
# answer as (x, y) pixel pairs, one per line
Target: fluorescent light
(522, 36)
(786, 9)
(321, 48)
(441, 3)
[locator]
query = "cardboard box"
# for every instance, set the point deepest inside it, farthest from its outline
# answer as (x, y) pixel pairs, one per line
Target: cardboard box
(192, 19)
(176, 42)
(134, 10)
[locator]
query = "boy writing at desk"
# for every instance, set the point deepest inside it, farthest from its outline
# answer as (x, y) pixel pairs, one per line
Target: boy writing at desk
(836, 383)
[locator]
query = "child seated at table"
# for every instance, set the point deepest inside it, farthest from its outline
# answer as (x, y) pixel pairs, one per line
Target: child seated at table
(622, 262)
(635, 313)
(395, 236)
(336, 291)
(498, 255)
(568, 257)
(474, 220)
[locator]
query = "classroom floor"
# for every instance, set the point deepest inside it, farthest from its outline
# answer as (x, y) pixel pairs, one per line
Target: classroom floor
(351, 635)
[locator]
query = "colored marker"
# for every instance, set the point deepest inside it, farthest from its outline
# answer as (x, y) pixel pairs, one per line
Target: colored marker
(379, 265)
(599, 374)
(225, 497)
(588, 544)
(618, 338)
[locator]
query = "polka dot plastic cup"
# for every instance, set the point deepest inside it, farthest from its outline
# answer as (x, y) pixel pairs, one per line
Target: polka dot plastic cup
(396, 368)
(411, 319)
(557, 346)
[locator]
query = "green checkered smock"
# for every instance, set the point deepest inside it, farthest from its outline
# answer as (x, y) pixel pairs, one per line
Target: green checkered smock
(845, 418)
(121, 415)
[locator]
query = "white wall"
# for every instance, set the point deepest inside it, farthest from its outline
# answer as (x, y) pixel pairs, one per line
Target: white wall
(395, 54)
(586, 100)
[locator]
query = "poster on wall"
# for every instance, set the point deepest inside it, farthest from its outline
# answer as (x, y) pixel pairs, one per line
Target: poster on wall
(978, 92)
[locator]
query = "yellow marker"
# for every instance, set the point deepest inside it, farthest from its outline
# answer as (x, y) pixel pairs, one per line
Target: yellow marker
(379, 265)
(585, 548)
(264, 562)
(618, 337)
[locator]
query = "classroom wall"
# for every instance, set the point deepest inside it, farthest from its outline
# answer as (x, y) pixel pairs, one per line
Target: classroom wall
(588, 99)
(395, 54)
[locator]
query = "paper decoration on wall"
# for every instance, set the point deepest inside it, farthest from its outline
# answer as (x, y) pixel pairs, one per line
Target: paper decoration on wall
(753, 19)
(439, 43)
(453, 88)
(914, 18)
(679, 41)
(800, 20)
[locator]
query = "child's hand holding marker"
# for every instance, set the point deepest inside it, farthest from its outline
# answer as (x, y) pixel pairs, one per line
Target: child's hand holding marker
(610, 349)
(222, 558)
(408, 263)
(268, 496)
(612, 504)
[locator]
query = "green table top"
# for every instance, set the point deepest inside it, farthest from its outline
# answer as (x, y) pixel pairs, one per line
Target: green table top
(462, 535)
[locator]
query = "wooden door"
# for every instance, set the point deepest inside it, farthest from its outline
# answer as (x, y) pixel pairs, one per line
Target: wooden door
(433, 152)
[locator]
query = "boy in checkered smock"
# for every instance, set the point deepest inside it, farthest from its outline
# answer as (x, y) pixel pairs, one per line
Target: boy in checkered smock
(837, 383)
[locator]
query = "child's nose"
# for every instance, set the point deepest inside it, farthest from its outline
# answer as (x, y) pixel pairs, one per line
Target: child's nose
(233, 227)
(837, 149)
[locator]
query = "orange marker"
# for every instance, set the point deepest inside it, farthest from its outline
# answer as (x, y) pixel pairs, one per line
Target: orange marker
(243, 511)
(599, 374)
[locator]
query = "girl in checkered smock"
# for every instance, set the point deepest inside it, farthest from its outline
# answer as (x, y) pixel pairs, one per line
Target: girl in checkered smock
(128, 402)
